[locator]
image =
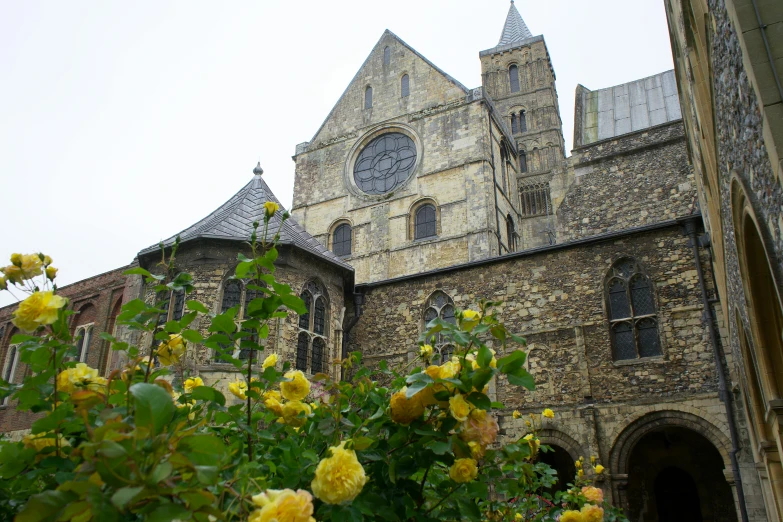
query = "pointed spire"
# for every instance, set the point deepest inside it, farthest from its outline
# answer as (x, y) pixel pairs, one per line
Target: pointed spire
(515, 29)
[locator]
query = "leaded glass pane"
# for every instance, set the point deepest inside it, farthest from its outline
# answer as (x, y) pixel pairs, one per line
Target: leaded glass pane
(304, 319)
(429, 315)
(513, 78)
(405, 85)
(522, 121)
(439, 299)
(385, 163)
(626, 268)
(426, 222)
(624, 345)
(618, 300)
(179, 305)
(9, 364)
(649, 341)
(641, 295)
(232, 295)
(319, 318)
(342, 241)
(368, 98)
(319, 349)
(301, 351)
(514, 125)
(448, 314)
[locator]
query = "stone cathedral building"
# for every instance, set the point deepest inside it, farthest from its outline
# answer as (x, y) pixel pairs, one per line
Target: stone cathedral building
(418, 196)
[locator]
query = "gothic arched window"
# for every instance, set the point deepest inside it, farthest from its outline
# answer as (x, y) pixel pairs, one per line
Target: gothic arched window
(342, 241)
(311, 344)
(513, 78)
(439, 305)
(405, 85)
(522, 121)
(368, 98)
(522, 161)
(426, 222)
(511, 234)
(236, 294)
(514, 124)
(632, 312)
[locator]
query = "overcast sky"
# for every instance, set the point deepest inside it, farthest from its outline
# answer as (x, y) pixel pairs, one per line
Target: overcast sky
(121, 123)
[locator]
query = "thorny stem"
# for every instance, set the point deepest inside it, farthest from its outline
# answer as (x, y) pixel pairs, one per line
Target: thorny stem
(443, 499)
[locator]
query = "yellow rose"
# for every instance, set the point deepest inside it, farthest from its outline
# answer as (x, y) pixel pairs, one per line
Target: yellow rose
(40, 441)
(426, 352)
(192, 383)
(274, 405)
(593, 494)
(469, 319)
(3, 283)
(580, 473)
(16, 259)
(480, 427)
(533, 442)
(592, 513)
(571, 516)
(405, 410)
(239, 389)
(79, 376)
(39, 309)
(51, 273)
(599, 469)
(98, 384)
(31, 265)
(269, 361)
(463, 470)
(449, 370)
(284, 505)
(292, 413)
(47, 261)
(339, 477)
(297, 388)
(270, 207)
(518, 517)
(516, 414)
(459, 408)
(476, 450)
(549, 414)
(172, 350)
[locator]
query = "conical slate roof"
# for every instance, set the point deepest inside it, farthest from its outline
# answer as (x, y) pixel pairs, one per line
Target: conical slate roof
(515, 29)
(234, 221)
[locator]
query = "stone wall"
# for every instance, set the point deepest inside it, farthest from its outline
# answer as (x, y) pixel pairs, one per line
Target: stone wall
(630, 181)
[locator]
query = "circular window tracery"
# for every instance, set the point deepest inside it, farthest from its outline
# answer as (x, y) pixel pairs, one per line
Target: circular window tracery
(385, 163)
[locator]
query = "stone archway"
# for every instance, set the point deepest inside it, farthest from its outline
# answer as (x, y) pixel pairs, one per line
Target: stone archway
(565, 451)
(669, 465)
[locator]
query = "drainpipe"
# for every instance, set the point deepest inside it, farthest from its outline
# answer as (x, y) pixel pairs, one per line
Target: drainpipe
(690, 230)
(358, 301)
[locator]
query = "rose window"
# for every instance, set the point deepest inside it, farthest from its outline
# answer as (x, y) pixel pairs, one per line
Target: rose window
(385, 163)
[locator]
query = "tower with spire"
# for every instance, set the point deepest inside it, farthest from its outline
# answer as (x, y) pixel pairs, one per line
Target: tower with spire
(518, 75)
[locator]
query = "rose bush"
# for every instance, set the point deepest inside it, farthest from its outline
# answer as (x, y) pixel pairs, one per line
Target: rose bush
(136, 445)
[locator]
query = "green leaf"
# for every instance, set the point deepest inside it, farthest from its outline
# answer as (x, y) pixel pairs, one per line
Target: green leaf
(197, 307)
(44, 506)
(161, 472)
(294, 303)
(51, 421)
(111, 449)
(362, 443)
(522, 379)
(154, 407)
(469, 509)
(137, 271)
(192, 336)
(415, 388)
(12, 460)
(224, 322)
(479, 400)
(510, 363)
(440, 448)
(203, 450)
(168, 512)
(484, 357)
(124, 495)
(482, 377)
(207, 393)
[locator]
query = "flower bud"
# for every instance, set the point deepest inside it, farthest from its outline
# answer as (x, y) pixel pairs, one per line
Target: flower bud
(3, 283)
(16, 259)
(51, 273)
(47, 260)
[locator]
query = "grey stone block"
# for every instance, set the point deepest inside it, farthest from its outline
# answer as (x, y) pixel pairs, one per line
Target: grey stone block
(639, 117)
(655, 99)
(605, 125)
(669, 84)
(622, 107)
(673, 110)
(638, 93)
(605, 100)
(622, 126)
(658, 117)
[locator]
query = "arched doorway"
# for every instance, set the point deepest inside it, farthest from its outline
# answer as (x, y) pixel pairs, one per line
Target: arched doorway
(561, 461)
(675, 474)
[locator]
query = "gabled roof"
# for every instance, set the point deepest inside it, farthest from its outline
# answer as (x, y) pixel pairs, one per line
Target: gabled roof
(411, 49)
(515, 30)
(234, 221)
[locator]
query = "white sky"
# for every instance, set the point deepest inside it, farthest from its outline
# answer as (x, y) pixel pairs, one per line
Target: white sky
(121, 123)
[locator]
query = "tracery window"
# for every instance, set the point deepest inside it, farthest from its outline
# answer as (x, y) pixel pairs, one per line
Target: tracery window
(425, 222)
(535, 199)
(368, 98)
(439, 305)
(513, 78)
(632, 312)
(342, 240)
(311, 344)
(405, 86)
(236, 294)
